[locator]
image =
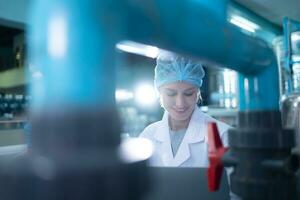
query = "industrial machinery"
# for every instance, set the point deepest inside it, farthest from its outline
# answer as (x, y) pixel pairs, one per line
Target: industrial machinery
(290, 58)
(71, 52)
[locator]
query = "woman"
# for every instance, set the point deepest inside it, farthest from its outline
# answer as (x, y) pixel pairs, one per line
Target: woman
(180, 138)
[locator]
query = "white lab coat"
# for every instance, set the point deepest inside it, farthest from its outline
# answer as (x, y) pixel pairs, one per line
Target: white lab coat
(193, 150)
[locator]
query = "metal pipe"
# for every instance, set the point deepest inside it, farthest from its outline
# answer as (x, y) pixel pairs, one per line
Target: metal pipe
(199, 28)
(73, 49)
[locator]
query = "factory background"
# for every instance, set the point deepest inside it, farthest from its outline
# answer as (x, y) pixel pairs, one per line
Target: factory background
(136, 100)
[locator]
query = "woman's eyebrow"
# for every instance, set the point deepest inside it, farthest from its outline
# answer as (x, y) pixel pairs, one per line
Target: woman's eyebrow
(190, 89)
(171, 90)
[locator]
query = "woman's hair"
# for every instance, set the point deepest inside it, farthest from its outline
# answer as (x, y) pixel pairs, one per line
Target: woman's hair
(172, 68)
(199, 98)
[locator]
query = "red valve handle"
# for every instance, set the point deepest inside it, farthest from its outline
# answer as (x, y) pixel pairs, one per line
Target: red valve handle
(215, 153)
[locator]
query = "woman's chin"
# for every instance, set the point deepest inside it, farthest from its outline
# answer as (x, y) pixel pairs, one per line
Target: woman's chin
(180, 117)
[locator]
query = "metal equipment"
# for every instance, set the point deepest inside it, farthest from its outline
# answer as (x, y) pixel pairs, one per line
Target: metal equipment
(75, 126)
(75, 151)
(290, 102)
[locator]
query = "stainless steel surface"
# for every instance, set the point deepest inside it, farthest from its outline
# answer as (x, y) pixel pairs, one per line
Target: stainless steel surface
(291, 115)
(284, 72)
(222, 86)
(289, 77)
(296, 76)
(295, 36)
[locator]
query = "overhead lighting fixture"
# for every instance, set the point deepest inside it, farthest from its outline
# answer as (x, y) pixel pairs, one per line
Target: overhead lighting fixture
(138, 48)
(243, 23)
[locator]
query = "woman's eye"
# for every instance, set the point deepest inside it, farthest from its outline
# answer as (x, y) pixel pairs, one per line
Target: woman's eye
(188, 94)
(171, 94)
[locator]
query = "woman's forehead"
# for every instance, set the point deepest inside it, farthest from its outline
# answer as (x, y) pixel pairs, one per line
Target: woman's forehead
(178, 86)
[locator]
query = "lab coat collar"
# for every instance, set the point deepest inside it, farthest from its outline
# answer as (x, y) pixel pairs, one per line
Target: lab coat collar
(195, 133)
(197, 128)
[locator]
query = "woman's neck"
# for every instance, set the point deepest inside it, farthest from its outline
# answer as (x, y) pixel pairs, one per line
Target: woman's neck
(177, 125)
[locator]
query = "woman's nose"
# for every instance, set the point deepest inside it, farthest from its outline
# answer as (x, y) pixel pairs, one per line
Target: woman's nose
(180, 101)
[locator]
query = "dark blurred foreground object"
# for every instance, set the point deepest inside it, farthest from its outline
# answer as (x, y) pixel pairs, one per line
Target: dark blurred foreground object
(173, 183)
(260, 152)
(72, 157)
(75, 151)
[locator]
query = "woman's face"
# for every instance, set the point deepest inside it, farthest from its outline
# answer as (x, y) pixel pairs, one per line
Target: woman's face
(179, 99)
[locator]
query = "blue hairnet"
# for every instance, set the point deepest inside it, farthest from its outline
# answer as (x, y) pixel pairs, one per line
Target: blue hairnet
(173, 68)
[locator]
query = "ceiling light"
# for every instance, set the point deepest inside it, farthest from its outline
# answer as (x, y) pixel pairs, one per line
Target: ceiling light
(244, 23)
(138, 48)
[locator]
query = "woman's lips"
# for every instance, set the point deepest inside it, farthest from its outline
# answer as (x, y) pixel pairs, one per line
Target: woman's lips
(179, 111)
